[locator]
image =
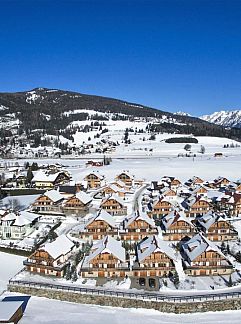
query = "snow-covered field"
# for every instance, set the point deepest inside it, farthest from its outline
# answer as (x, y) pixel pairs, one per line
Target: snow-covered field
(42, 310)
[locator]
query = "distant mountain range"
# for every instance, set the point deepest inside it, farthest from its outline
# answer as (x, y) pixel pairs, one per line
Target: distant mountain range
(224, 118)
(52, 110)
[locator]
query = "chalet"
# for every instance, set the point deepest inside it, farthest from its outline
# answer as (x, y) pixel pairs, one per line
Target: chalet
(94, 180)
(232, 203)
(194, 181)
(238, 188)
(162, 206)
(107, 258)
(196, 206)
(77, 203)
(137, 227)
(199, 190)
(125, 177)
(167, 192)
(113, 189)
(215, 228)
(17, 225)
(45, 179)
(51, 258)
(99, 226)
(176, 226)
(172, 182)
(154, 257)
(202, 257)
(221, 182)
(114, 205)
(50, 201)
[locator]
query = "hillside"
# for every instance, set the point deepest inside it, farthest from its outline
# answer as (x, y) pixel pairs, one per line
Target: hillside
(225, 118)
(51, 110)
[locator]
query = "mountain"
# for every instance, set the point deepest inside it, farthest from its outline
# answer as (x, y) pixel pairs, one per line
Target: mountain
(224, 118)
(51, 110)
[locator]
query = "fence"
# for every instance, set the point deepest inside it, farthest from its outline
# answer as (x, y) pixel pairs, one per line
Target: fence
(158, 297)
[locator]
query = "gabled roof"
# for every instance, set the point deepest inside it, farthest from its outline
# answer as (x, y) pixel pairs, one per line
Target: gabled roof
(45, 176)
(20, 219)
(154, 244)
(126, 172)
(61, 246)
(115, 197)
(54, 195)
(142, 216)
(96, 173)
(207, 220)
(83, 197)
(173, 217)
(107, 245)
(197, 245)
(103, 215)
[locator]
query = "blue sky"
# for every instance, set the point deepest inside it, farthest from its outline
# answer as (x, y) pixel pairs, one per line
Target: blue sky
(172, 55)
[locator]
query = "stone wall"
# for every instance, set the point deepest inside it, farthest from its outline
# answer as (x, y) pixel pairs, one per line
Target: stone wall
(166, 307)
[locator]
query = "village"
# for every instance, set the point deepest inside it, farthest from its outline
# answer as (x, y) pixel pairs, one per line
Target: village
(127, 232)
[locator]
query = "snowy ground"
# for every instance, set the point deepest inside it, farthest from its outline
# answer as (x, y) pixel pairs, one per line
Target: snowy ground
(42, 310)
(10, 264)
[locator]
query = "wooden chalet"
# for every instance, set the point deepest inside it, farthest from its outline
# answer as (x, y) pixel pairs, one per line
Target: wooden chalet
(176, 226)
(47, 179)
(78, 203)
(154, 258)
(94, 180)
(221, 182)
(113, 189)
(126, 178)
(216, 228)
(51, 258)
(202, 257)
(194, 181)
(162, 206)
(137, 227)
(196, 206)
(172, 182)
(232, 203)
(99, 226)
(107, 259)
(114, 205)
(50, 201)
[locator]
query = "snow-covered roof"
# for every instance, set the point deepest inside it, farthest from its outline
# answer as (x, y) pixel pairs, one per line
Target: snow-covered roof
(173, 217)
(20, 219)
(154, 244)
(54, 195)
(141, 216)
(83, 197)
(8, 309)
(207, 220)
(107, 245)
(104, 216)
(197, 245)
(96, 173)
(45, 176)
(115, 197)
(61, 246)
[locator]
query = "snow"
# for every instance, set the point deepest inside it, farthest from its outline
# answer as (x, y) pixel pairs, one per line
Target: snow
(10, 265)
(7, 309)
(61, 246)
(46, 311)
(230, 118)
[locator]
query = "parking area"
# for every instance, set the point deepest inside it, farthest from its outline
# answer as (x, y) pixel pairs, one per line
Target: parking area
(146, 283)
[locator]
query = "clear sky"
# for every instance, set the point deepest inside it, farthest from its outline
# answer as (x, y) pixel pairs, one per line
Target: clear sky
(172, 55)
